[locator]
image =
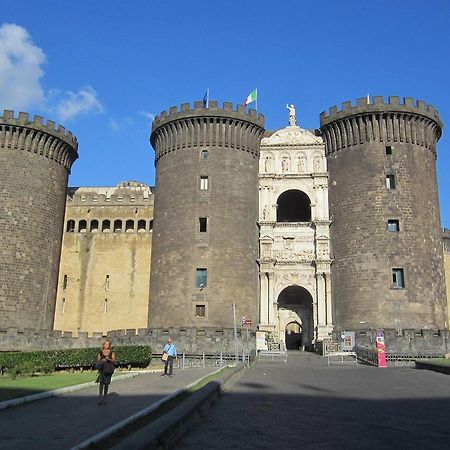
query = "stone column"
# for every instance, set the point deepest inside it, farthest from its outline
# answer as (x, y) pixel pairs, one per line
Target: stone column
(319, 202)
(329, 309)
(321, 306)
(264, 306)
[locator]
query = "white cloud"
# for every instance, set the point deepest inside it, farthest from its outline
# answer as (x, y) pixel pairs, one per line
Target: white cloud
(148, 115)
(20, 80)
(20, 69)
(72, 104)
(117, 125)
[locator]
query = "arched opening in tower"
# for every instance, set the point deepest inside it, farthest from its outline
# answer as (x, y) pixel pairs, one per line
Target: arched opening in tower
(293, 206)
(295, 313)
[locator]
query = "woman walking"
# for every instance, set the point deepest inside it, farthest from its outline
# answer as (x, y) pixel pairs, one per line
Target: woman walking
(105, 364)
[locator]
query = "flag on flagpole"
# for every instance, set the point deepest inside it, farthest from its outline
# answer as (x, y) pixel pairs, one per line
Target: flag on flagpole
(253, 97)
(206, 99)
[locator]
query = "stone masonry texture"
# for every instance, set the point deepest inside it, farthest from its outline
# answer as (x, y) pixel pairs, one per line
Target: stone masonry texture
(229, 247)
(34, 163)
(365, 252)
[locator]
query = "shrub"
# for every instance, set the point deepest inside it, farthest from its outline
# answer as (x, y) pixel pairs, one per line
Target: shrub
(28, 363)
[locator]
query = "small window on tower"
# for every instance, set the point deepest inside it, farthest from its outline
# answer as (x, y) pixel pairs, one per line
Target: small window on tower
(63, 305)
(204, 154)
(201, 278)
(70, 226)
(390, 181)
(204, 182)
(65, 282)
(388, 149)
(393, 225)
(200, 311)
(398, 278)
(203, 224)
(117, 226)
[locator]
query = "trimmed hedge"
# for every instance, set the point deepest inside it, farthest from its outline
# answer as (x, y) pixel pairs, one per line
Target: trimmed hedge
(47, 361)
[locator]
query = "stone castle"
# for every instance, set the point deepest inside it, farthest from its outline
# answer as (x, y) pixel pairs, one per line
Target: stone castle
(296, 233)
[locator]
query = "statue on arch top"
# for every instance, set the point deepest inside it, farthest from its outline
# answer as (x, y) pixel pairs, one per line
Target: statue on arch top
(292, 118)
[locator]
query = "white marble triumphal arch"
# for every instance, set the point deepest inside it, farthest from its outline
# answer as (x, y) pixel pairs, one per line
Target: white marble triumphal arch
(295, 298)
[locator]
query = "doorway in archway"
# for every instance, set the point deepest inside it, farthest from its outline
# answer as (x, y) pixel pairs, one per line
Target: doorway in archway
(293, 336)
(295, 314)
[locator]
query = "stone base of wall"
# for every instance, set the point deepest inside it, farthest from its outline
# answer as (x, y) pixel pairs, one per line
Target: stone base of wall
(187, 340)
(404, 342)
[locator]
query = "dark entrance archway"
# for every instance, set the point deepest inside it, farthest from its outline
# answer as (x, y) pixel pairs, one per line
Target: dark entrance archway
(296, 301)
(293, 336)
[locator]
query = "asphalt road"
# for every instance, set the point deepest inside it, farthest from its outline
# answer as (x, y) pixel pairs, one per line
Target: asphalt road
(308, 405)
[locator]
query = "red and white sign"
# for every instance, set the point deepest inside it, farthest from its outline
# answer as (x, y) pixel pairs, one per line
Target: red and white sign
(381, 348)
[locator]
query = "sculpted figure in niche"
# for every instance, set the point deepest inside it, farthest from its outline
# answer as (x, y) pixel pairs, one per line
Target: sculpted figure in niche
(268, 164)
(285, 164)
(265, 213)
(292, 119)
(316, 163)
(301, 164)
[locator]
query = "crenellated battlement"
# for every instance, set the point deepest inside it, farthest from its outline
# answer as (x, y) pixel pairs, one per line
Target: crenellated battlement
(378, 105)
(37, 123)
(187, 127)
(122, 195)
(379, 121)
(185, 111)
(188, 339)
(49, 140)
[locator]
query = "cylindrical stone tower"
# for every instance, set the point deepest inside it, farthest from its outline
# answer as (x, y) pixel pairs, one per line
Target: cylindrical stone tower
(35, 160)
(388, 263)
(205, 235)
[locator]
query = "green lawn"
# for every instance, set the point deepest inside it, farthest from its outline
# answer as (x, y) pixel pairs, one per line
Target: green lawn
(438, 361)
(27, 386)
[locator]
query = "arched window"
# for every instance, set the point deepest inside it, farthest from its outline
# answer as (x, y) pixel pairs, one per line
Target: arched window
(70, 226)
(94, 226)
(117, 226)
(293, 206)
(141, 225)
(129, 226)
(151, 225)
(82, 225)
(106, 226)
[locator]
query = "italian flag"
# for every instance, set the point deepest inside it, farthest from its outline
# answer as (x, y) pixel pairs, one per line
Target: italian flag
(251, 98)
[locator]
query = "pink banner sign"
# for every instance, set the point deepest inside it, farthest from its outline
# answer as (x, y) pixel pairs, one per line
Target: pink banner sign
(381, 348)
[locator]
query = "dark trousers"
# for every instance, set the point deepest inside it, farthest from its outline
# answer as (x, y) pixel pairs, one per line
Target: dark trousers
(168, 365)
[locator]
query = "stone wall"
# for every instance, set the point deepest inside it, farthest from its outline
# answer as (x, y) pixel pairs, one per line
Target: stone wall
(35, 159)
(384, 227)
(206, 168)
(406, 341)
(446, 245)
(105, 262)
(188, 340)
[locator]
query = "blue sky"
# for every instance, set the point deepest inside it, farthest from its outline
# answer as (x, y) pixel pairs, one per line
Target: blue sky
(104, 68)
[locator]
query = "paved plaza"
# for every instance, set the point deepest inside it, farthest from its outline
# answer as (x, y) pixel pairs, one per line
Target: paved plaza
(304, 405)
(308, 405)
(62, 422)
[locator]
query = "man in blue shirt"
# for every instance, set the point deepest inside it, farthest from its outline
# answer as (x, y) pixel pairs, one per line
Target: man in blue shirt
(171, 351)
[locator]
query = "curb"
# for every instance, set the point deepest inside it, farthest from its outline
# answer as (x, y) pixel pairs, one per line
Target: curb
(155, 431)
(56, 392)
(434, 367)
(171, 427)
